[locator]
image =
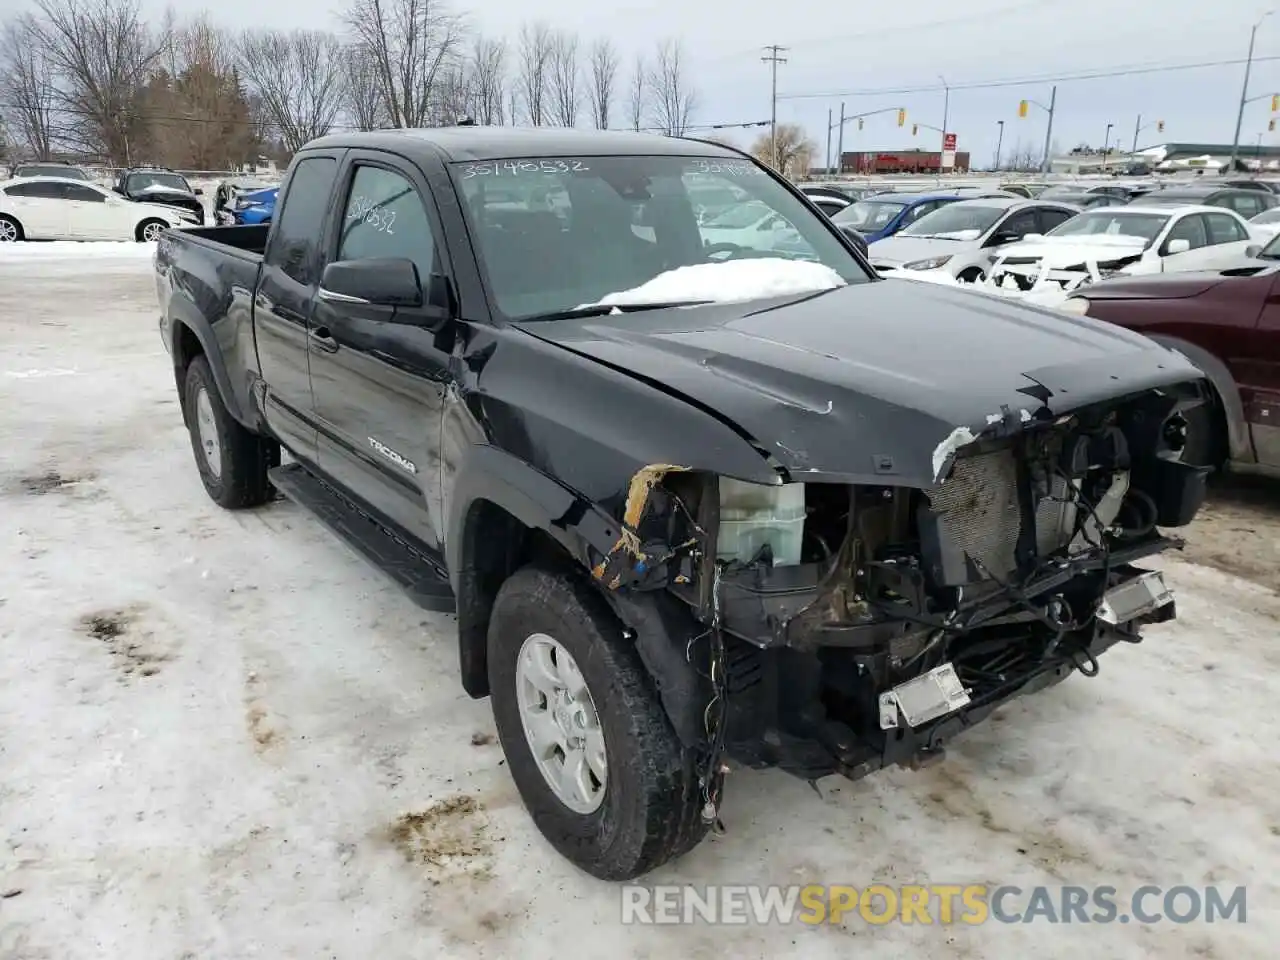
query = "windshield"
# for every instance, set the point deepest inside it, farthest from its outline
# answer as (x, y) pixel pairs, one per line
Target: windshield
(955, 221)
(1272, 250)
(141, 181)
(558, 233)
(869, 215)
(50, 170)
(1111, 223)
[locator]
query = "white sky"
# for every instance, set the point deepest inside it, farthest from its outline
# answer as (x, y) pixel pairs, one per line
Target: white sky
(850, 46)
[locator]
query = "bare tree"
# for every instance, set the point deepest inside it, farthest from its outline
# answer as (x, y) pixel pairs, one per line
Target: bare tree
(454, 95)
(674, 98)
(637, 91)
(535, 68)
(564, 79)
(27, 86)
(1023, 157)
(410, 43)
(489, 76)
(604, 75)
(102, 52)
(298, 77)
(363, 92)
(795, 150)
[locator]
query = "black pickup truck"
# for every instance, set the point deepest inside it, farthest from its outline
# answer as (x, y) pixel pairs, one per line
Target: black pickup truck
(696, 499)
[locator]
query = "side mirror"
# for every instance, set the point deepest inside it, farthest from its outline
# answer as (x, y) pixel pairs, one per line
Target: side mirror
(198, 192)
(382, 282)
(1252, 250)
(1179, 246)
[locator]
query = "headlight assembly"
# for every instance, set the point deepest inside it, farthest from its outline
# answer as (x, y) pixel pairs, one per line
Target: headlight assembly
(1079, 306)
(932, 263)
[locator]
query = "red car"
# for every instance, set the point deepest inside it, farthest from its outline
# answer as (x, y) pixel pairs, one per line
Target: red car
(1228, 324)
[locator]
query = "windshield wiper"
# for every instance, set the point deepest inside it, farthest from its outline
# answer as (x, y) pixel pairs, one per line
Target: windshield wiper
(602, 309)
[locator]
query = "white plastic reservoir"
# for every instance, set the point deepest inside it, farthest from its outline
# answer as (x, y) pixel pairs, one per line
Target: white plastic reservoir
(752, 514)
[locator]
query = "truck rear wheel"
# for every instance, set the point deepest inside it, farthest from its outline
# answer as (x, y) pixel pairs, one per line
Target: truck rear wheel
(233, 462)
(595, 759)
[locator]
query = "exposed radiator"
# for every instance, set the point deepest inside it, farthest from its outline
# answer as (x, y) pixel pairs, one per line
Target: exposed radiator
(978, 512)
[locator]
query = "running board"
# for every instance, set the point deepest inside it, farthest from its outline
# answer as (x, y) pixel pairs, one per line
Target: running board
(424, 582)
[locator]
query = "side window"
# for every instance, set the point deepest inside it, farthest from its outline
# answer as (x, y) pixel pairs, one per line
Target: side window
(384, 217)
(76, 192)
(1019, 225)
(36, 191)
(1050, 218)
(1245, 204)
(1224, 229)
(1191, 229)
(295, 243)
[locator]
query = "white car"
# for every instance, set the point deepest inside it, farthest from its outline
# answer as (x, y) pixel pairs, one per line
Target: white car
(1267, 222)
(49, 208)
(1128, 240)
(748, 226)
(964, 238)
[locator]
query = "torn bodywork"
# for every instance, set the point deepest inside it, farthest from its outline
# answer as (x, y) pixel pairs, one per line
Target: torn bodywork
(841, 627)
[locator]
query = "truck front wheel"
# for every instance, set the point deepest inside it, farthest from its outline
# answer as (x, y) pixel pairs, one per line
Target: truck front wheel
(595, 758)
(233, 462)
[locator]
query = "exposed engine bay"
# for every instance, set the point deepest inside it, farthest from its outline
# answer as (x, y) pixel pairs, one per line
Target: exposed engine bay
(842, 628)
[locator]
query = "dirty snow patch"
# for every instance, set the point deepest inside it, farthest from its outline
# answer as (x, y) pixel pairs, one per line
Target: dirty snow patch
(732, 281)
(943, 451)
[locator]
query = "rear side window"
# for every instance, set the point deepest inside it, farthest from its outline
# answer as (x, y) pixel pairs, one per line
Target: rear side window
(384, 217)
(76, 192)
(1247, 204)
(1224, 229)
(295, 244)
(41, 191)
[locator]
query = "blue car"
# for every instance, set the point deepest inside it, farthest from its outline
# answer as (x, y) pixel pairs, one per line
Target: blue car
(256, 207)
(884, 214)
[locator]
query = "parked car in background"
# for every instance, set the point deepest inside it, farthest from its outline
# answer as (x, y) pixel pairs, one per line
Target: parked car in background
(229, 191)
(882, 215)
(1129, 240)
(64, 171)
(165, 187)
(1267, 222)
(255, 207)
(1082, 199)
(1228, 324)
(44, 208)
(827, 199)
(1247, 203)
(1026, 188)
(1253, 183)
(963, 239)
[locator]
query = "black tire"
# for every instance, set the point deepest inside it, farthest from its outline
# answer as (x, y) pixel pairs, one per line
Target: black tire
(17, 227)
(651, 810)
(972, 275)
(142, 228)
(244, 458)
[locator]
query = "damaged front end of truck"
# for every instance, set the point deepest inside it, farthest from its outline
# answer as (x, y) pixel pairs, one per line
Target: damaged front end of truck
(840, 627)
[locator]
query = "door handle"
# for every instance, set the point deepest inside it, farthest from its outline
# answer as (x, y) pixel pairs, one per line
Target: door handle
(322, 340)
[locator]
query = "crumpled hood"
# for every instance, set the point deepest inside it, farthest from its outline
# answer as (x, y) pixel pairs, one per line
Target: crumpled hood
(1065, 251)
(900, 249)
(864, 383)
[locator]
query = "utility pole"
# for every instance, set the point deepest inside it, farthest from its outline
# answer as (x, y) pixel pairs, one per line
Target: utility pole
(1244, 92)
(1048, 130)
(840, 142)
(946, 109)
(773, 60)
(1106, 144)
(827, 157)
(1136, 128)
(999, 144)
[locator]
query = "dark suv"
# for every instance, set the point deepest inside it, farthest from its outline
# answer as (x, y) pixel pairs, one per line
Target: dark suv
(1247, 203)
(150, 185)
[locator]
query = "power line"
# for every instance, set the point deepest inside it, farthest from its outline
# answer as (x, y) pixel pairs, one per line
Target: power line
(1024, 81)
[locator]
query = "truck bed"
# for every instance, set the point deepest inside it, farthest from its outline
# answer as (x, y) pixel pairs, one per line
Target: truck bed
(248, 239)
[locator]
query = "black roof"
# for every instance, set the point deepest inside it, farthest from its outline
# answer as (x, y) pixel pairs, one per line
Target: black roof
(498, 143)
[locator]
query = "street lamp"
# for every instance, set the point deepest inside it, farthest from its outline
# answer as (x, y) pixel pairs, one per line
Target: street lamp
(999, 142)
(1244, 92)
(1106, 144)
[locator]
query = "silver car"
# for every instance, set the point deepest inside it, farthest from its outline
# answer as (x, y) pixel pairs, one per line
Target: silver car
(963, 238)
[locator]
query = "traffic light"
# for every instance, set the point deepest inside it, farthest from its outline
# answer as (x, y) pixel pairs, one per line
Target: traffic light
(859, 123)
(915, 128)
(902, 117)
(1275, 102)
(1022, 108)
(1160, 126)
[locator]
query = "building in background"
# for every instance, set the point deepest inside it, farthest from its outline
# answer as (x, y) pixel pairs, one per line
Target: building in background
(868, 162)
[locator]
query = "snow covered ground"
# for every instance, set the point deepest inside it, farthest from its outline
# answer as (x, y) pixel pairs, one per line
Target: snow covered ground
(224, 736)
